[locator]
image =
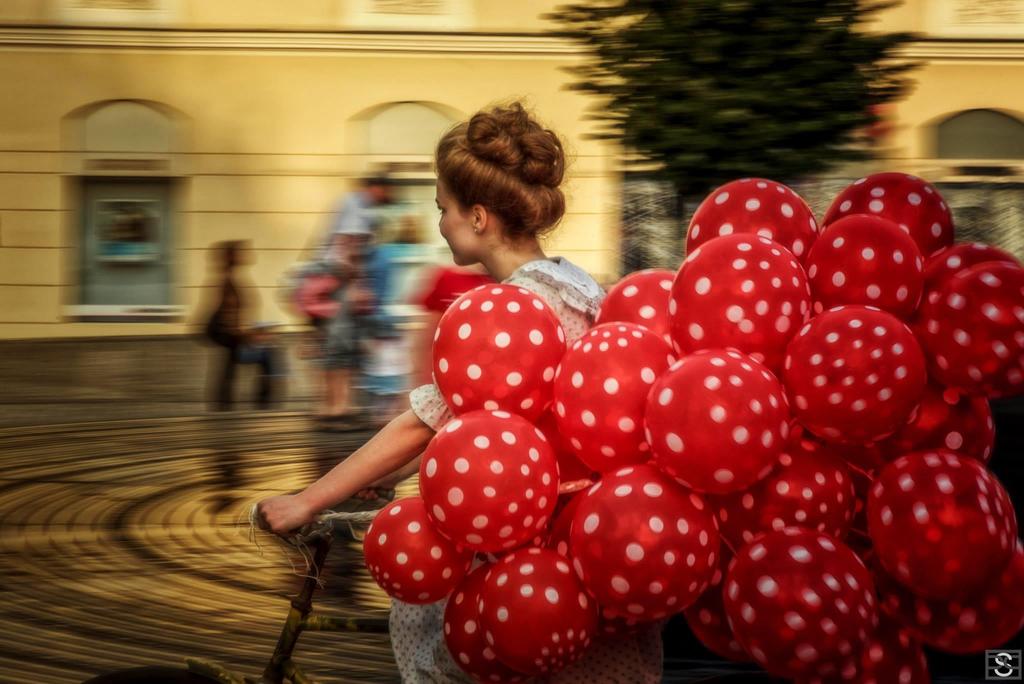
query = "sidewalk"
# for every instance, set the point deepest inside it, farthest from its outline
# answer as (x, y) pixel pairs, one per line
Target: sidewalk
(76, 380)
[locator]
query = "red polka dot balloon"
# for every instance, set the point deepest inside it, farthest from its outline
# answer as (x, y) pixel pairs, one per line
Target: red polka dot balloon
(908, 201)
(984, 620)
(941, 523)
(559, 534)
(601, 390)
(489, 480)
(717, 421)
(536, 616)
(497, 347)
(893, 655)
(973, 333)
(464, 633)
(799, 602)
(945, 420)
(644, 546)
(810, 490)
(570, 468)
(641, 298)
(707, 620)
(854, 374)
(754, 206)
(949, 261)
(866, 260)
(408, 557)
(740, 291)
(862, 460)
(859, 458)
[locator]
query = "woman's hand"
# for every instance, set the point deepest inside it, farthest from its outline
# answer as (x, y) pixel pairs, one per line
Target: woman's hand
(283, 514)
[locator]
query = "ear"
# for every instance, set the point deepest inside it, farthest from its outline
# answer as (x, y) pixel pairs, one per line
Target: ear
(479, 218)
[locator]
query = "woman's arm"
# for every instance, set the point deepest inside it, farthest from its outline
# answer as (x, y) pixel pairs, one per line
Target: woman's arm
(398, 443)
(391, 480)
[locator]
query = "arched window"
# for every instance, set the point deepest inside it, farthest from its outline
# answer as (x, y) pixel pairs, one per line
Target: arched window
(125, 153)
(984, 211)
(400, 137)
(980, 134)
(127, 126)
(405, 129)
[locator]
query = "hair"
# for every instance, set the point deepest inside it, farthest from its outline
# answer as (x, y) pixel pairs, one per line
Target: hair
(380, 178)
(506, 161)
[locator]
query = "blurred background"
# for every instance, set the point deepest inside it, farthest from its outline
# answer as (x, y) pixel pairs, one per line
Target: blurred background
(173, 171)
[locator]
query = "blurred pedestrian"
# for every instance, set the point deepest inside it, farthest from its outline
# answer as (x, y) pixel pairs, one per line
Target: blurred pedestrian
(358, 211)
(393, 266)
(339, 274)
(228, 327)
(346, 329)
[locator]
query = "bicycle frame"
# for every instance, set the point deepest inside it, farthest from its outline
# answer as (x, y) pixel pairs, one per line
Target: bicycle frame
(281, 667)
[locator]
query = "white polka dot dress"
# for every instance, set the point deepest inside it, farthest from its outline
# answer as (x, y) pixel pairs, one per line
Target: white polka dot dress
(416, 631)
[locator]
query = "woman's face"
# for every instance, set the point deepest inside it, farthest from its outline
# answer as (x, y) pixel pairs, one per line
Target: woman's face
(456, 228)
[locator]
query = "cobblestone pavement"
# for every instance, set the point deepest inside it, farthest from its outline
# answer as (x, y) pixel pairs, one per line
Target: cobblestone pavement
(124, 544)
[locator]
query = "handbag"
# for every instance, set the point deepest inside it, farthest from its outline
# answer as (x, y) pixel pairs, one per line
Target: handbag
(215, 330)
(315, 295)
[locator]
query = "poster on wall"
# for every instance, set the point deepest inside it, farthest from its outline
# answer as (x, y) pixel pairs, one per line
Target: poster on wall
(127, 230)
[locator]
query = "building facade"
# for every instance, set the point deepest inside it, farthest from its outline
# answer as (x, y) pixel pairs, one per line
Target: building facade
(137, 134)
(962, 125)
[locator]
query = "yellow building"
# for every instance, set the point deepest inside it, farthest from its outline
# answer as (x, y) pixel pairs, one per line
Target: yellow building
(962, 125)
(134, 134)
(137, 133)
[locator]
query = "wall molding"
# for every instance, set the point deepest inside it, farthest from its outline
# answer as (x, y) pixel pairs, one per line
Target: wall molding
(286, 41)
(947, 50)
(935, 49)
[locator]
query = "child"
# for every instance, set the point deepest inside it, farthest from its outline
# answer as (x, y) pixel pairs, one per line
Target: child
(498, 192)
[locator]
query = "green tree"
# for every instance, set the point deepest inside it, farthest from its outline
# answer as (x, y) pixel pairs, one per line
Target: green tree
(713, 90)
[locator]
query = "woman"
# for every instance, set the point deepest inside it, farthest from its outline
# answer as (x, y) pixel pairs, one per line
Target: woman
(498, 193)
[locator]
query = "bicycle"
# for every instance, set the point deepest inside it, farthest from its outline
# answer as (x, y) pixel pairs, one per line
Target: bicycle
(281, 667)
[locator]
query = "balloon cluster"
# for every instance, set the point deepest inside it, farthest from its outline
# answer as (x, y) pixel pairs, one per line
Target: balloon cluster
(786, 440)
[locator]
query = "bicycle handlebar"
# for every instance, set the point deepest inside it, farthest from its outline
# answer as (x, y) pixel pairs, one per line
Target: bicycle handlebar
(324, 524)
